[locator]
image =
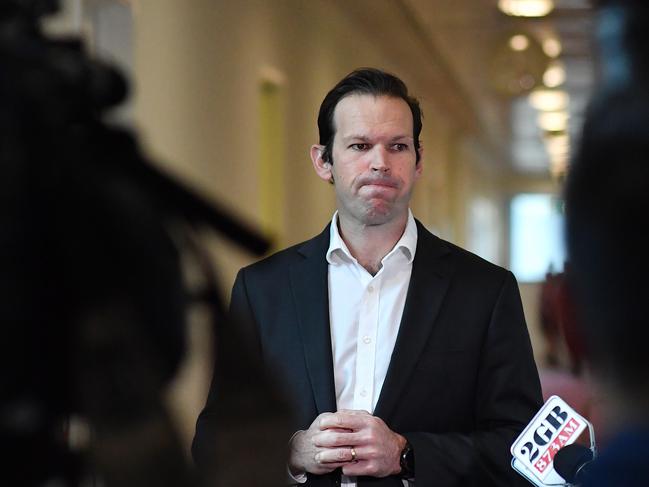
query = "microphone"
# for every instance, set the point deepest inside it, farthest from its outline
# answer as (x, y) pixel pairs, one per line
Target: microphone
(554, 429)
(572, 462)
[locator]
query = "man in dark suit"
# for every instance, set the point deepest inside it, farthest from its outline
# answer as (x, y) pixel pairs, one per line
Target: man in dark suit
(407, 358)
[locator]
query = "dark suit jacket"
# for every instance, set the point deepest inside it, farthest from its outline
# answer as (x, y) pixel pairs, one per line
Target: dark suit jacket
(461, 383)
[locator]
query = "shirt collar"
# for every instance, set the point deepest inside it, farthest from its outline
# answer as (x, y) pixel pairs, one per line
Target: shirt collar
(407, 244)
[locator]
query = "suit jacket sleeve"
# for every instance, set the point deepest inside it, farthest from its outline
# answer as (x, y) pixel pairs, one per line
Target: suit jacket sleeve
(507, 395)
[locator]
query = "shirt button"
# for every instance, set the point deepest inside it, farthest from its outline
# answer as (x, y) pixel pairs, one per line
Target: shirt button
(367, 340)
(370, 289)
(363, 393)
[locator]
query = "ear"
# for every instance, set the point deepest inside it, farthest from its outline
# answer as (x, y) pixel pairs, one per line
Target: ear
(322, 168)
(419, 167)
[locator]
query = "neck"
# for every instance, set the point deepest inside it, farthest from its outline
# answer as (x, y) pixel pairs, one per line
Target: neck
(370, 243)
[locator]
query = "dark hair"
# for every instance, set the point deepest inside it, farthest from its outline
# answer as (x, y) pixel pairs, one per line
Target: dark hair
(368, 81)
(607, 202)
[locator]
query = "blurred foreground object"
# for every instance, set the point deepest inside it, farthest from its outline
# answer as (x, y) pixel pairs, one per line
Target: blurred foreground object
(92, 301)
(607, 203)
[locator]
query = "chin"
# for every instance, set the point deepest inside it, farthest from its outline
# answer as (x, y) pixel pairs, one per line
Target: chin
(378, 216)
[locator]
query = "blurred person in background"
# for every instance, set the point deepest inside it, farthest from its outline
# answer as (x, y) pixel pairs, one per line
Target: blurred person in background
(607, 209)
(564, 372)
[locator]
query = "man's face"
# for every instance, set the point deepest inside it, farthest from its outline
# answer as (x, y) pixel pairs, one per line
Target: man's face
(374, 160)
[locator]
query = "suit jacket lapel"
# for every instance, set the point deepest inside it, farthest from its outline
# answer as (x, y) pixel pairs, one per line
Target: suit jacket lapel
(428, 284)
(309, 283)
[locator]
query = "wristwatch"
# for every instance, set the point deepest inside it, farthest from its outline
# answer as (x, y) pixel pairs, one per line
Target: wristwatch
(407, 462)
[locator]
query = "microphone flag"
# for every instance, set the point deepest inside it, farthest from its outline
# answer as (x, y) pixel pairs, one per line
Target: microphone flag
(552, 428)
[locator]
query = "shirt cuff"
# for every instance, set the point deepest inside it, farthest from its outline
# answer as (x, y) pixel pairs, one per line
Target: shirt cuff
(295, 478)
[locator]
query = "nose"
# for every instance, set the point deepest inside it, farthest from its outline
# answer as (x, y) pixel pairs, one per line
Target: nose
(379, 161)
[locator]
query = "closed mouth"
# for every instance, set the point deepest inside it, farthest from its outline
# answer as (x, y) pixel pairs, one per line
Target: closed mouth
(385, 183)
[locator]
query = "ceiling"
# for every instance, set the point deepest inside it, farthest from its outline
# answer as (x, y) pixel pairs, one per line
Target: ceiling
(472, 36)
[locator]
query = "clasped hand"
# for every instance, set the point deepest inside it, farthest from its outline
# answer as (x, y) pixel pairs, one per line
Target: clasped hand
(358, 442)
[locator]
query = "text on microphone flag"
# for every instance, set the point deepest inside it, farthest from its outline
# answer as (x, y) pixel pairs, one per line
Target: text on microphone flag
(553, 427)
(557, 444)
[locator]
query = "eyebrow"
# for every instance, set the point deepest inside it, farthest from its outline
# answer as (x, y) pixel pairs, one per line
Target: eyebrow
(364, 138)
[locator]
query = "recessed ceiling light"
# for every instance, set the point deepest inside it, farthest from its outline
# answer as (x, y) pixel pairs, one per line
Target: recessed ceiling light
(557, 145)
(555, 75)
(552, 47)
(553, 121)
(526, 8)
(549, 100)
(519, 42)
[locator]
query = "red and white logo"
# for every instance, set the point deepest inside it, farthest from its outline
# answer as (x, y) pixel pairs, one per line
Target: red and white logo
(554, 426)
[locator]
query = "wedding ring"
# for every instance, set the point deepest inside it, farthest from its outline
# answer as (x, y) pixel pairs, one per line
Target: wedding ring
(353, 452)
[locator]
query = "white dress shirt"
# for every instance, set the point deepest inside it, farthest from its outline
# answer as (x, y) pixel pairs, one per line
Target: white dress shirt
(365, 313)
